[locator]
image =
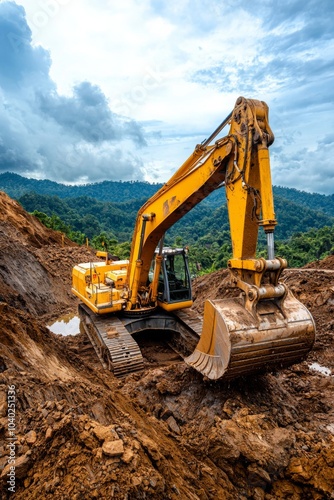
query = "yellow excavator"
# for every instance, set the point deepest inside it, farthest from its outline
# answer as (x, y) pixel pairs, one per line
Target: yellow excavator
(265, 328)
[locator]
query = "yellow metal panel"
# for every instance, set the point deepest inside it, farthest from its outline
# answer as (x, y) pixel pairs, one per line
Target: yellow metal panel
(174, 306)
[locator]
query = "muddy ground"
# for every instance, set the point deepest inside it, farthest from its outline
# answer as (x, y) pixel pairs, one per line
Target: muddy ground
(164, 433)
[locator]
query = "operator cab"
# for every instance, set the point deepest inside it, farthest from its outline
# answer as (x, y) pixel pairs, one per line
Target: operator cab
(174, 289)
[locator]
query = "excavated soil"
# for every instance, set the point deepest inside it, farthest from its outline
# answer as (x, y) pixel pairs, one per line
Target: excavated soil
(164, 433)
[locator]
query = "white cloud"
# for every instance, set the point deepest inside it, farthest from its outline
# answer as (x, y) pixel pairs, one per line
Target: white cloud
(178, 67)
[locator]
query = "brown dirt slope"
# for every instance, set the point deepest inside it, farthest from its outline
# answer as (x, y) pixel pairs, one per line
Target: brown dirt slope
(164, 433)
(35, 262)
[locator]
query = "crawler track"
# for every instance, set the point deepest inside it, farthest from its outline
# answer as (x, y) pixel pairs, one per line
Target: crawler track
(115, 346)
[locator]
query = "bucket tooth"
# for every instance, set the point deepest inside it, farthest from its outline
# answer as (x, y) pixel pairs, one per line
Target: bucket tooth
(210, 366)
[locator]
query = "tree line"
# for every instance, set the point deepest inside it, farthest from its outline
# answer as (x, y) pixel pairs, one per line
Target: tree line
(302, 235)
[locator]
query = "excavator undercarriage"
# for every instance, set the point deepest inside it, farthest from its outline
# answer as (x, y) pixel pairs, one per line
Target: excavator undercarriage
(265, 328)
(236, 342)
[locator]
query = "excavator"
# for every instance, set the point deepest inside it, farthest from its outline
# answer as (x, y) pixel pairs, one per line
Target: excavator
(265, 328)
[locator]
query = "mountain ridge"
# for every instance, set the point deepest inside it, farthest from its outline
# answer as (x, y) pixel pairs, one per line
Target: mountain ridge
(305, 229)
(16, 186)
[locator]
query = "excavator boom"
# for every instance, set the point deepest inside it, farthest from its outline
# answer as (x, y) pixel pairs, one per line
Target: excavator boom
(266, 327)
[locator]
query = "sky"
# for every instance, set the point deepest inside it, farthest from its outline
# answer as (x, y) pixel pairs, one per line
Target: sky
(111, 90)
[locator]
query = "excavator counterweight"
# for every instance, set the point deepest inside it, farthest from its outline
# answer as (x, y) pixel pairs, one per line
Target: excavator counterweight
(265, 328)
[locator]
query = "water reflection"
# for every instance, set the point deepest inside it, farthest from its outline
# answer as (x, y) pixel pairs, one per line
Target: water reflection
(66, 325)
(321, 369)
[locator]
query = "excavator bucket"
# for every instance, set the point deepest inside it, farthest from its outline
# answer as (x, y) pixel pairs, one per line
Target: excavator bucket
(236, 342)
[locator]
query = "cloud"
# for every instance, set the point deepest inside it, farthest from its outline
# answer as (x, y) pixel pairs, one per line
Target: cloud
(317, 177)
(88, 115)
(44, 134)
(175, 68)
(23, 66)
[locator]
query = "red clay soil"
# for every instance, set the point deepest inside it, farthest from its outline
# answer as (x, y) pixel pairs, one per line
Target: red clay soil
(164, 433)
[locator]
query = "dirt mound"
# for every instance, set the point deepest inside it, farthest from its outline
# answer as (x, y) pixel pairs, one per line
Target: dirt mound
(215, 285)
(164, 433)
(327, 263)
(19, 226)
(36, 262)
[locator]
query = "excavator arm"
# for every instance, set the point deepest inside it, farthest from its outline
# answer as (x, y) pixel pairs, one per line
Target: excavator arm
(241, 162)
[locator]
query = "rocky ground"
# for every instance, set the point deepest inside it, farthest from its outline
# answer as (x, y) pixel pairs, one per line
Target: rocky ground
(164, 433)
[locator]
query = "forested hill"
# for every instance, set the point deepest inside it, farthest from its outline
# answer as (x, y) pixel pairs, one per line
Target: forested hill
(117, 191)
(314, 201)
(91, 217)
(105, 213)
(16, 186)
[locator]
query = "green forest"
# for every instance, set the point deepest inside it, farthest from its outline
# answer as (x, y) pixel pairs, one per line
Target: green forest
(105, 214)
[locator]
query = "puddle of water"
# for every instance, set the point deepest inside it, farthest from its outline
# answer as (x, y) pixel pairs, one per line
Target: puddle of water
(66, 325)
(321, 369)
